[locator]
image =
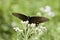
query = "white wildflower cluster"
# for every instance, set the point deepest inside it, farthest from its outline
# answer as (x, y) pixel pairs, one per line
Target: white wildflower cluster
(47, 10)
(17, 29)
(38, 31)
(24, 22)
(30, 31)
(41, 30)
(33, 25)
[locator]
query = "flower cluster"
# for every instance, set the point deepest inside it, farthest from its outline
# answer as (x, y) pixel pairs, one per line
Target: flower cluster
(47, 11)
(17, 29)
(29, 31)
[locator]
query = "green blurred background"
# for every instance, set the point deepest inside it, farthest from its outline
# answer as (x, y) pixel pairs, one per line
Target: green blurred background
(30, 8)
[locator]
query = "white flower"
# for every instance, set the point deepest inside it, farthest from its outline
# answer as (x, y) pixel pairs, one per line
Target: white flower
(28, 25)
(47, 9)
(24, 22)
(40, 31)
(51, 14)
(43, 28)
(33, 25)
(17, 29)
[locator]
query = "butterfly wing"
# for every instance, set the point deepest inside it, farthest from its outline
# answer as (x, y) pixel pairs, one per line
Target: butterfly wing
(20, 16)
(37, 20)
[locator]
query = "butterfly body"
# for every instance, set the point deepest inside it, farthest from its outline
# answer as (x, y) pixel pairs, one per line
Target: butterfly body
(35, 19)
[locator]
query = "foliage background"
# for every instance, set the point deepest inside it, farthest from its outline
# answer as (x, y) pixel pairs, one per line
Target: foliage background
(30, 8)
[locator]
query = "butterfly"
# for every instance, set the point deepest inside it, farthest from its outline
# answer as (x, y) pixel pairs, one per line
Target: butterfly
(35, 19)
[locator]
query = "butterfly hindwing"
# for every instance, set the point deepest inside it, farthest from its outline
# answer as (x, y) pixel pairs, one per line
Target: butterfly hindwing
(20, 16)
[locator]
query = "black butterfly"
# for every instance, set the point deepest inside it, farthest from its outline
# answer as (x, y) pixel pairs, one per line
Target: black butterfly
(35, 19)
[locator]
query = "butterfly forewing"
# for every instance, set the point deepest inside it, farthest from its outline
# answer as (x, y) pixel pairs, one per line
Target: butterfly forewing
(20, 16)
